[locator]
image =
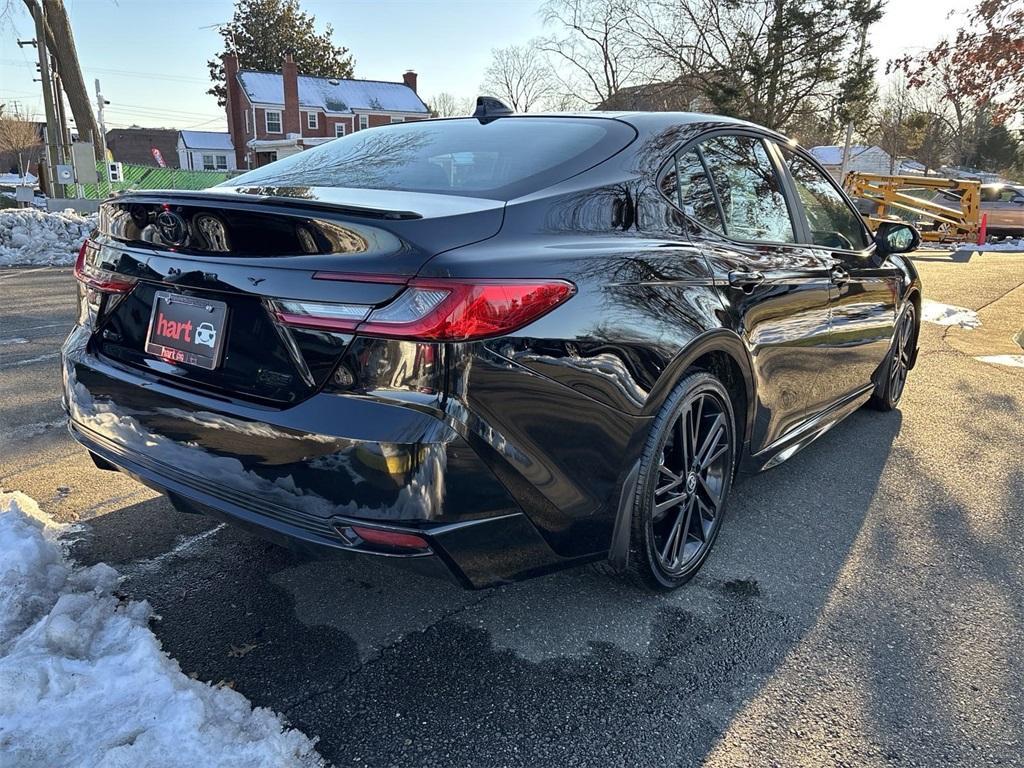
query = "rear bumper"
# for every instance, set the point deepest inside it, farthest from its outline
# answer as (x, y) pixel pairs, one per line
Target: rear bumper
(298, 475)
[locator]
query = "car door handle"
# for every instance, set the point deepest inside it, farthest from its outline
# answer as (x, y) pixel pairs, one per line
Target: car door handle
(745, 278)
(839, 275)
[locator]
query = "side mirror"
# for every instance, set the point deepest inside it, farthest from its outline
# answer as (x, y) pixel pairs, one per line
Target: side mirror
(896, 237)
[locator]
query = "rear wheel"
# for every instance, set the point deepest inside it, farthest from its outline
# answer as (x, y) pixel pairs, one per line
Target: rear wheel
(893, 376)
(685, 475)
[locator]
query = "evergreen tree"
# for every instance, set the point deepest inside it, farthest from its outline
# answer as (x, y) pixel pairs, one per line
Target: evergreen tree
(261, 32)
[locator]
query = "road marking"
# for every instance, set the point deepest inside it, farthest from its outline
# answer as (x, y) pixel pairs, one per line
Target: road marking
(41, 358)
(15, 340)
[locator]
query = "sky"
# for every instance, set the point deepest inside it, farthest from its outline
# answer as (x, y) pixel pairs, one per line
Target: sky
(150, 57)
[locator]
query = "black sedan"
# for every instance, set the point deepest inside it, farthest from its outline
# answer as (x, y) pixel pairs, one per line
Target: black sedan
(492, 346)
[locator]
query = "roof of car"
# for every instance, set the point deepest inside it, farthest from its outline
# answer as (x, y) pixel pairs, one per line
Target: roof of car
(649, 118)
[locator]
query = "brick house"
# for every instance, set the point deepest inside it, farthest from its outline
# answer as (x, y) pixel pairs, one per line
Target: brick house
(275, 114)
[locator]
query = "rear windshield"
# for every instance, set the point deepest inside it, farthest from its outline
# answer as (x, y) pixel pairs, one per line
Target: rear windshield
(501, 159)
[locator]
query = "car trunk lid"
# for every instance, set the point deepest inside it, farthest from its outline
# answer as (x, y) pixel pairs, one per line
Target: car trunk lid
(228, 261)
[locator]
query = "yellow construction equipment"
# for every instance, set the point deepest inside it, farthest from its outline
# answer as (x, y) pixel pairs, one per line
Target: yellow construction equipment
(895, 196)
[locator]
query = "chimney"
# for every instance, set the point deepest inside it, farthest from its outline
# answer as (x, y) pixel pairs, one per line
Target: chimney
(290, 75)
(409, 78)
(234, 107)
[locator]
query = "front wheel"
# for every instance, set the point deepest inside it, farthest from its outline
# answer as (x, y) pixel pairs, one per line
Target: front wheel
(893, 376)
(685, 475)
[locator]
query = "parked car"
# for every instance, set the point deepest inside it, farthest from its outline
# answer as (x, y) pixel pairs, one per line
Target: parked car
(1003, 204)
(490, 347)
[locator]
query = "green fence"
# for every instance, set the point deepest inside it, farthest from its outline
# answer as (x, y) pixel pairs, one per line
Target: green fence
(146, 177)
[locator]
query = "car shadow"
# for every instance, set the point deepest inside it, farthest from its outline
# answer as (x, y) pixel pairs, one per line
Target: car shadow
(390, 667)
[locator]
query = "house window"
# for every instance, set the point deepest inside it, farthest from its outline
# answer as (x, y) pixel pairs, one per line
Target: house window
(273, 117)
(215, 162)
(312, 120)
(364, 122)
(397, 119)
(339, 129)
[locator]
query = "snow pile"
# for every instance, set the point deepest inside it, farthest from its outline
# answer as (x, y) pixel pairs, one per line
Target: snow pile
(30, 236)
(83, 680)
(947, 314)
(1000, 245)
(1013, 245)
(1014, 361)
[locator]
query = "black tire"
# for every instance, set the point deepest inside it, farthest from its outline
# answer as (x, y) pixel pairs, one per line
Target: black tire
(892, 376)
(683, 477)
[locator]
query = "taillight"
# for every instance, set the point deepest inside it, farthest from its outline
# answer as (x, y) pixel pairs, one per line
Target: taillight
(457, 310)
(96, 277)
(321, 315)
(438, 309)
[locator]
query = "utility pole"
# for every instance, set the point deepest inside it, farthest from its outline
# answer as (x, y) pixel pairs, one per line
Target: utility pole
(56, 36)
(849, 124)
(867, 12)
(100, 104)
(54, 145)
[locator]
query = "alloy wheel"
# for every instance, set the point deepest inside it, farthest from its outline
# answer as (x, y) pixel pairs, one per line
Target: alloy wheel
(901, 352)
(692, 479)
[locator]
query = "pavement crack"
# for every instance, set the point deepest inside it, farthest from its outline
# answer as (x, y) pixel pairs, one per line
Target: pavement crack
(1001, 296)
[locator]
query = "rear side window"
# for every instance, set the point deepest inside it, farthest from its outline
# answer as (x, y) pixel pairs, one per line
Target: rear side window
(501, 159)
(832, 222)
(685, 182)
(749, 190)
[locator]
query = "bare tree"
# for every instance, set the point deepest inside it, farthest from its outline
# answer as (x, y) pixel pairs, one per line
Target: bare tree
(769, 61)
(446, 104)
(896, 125)
(19, 136)
(519, 76)
(594, 52)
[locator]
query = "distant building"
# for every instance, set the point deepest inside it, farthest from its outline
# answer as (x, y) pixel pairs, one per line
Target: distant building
(872, 159)
(136, 146)
(679, 95)
(275, 114)
(206, 151)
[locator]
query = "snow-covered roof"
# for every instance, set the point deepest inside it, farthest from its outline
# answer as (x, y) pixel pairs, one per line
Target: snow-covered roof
(833, 155)
(333, 95)
(206, 140)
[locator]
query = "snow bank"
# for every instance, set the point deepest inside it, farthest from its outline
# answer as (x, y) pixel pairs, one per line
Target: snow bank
(1001, 245)
(30, 236)
(83, 680)
(1014, 361)
(947, 314)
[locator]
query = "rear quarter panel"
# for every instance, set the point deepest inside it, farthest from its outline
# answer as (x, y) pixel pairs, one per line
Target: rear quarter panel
(560, 409)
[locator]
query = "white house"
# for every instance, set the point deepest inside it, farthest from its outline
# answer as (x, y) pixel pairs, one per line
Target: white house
(206, 151)
(862, 160)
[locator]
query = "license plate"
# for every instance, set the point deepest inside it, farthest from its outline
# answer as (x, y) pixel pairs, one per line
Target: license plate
(186, 329)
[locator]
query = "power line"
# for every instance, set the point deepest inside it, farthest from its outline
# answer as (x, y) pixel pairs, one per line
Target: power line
(122, 73)
(141, 108)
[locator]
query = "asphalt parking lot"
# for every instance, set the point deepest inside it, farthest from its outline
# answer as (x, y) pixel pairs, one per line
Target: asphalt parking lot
(864, 605)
